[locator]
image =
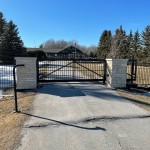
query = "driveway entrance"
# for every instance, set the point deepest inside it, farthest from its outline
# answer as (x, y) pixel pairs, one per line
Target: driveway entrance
(84, 116)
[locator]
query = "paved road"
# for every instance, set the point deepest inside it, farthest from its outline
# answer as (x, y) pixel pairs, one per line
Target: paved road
(84, 116)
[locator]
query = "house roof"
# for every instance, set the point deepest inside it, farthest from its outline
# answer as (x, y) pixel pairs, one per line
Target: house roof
(48, 50)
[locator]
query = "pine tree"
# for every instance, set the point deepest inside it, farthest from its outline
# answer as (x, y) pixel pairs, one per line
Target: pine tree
(2, 23)
(120, 44)
(146, 40)
(2, 29)
(11, 44)
(136, 45)
(41, 46)
(130, 44)
(104, 45)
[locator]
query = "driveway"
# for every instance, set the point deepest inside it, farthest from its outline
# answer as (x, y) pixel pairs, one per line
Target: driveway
(84, 116)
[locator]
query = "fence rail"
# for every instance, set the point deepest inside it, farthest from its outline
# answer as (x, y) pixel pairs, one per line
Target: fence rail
(143, 74)
(138, 73)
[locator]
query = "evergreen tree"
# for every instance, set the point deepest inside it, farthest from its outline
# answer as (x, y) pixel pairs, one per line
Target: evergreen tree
(2, 29)
(130, 44)
(104, 45)
(120, 44)
(146, 40)
(11, 44)
(136, 45)
(41, 46)
(2, 23)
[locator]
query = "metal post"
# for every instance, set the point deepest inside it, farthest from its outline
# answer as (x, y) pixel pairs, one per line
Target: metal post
(105, 71)
(15, 85)
(37, 69)
(75, 50)
(73, 71)
(132, 69)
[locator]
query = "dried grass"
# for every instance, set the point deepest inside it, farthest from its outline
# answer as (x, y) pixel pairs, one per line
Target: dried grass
(136, 97)
(11, 122)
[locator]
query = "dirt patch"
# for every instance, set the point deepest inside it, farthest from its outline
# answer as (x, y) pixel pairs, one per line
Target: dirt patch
(11, 122)
(137, 97)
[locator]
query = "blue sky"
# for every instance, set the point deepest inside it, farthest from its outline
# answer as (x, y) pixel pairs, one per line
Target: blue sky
(83, 20)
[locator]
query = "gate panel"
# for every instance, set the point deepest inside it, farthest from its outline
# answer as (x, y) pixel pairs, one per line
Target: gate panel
(131, 70)
(71, 70)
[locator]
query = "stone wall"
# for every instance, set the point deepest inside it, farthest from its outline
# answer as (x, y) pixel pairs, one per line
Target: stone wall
(27, 75)
(116, 73)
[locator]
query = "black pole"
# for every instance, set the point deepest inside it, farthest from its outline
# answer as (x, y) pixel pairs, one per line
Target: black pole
(73, 69)
(105, 71)
(15, 85)
(132, 69)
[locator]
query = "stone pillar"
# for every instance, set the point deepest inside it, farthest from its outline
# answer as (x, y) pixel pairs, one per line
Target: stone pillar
(27, 75)
(116, 73)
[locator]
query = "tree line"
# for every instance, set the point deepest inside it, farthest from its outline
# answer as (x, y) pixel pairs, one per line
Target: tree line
(11, 44)
(61, 44)
(118, 45)
(122, 45)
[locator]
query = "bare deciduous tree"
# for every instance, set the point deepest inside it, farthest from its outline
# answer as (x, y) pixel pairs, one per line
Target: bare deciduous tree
(60, 44)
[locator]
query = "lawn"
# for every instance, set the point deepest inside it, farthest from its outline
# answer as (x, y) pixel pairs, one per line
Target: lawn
(136, 96)
(11, 122)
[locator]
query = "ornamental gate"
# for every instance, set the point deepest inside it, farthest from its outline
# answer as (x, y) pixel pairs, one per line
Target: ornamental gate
(60, 70)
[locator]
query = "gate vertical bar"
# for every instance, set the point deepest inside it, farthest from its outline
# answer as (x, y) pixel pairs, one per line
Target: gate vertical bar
(37, 69)
(73, 69)
(135, 69)
(132, 69)
(105, 70)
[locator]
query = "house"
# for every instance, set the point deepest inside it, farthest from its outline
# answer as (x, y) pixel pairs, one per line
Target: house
(68, 52)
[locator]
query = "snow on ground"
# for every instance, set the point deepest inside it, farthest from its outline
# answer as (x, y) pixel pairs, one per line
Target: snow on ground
(6, 77)
(147, 94)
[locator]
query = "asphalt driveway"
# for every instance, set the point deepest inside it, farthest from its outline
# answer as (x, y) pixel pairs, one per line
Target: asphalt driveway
(84, 116)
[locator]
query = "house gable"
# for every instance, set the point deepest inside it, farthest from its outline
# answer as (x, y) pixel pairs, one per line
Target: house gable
(71, 50)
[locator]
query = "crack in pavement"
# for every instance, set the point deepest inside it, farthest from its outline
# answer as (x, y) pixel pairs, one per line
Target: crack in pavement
(112, 118)
(119, 143)
(82, 121)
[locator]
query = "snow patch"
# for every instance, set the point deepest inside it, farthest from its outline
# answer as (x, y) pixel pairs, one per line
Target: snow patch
(147, 94)
(6, 76)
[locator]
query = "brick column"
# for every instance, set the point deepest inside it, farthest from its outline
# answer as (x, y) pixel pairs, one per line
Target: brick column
(116, 73)
(27, 75)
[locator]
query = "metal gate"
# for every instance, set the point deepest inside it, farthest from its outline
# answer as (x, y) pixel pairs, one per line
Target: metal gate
(131, 71)
(59, 70)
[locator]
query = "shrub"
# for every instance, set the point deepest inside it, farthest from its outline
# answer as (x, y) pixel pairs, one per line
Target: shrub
(39, 54)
